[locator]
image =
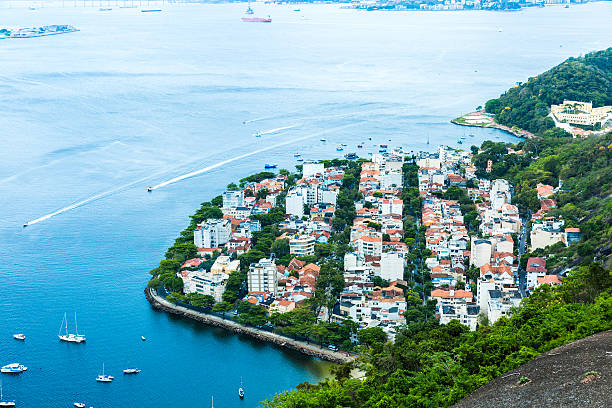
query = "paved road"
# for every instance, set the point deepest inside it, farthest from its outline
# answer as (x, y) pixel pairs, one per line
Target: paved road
(522, 274)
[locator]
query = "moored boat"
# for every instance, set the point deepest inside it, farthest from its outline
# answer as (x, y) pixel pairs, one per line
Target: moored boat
(351, 156)
(143, 338)
(3, 402)
(104, 377)
(270, 166)
(13, 368)
(70, 337)
(131, 371)
(19, 336)
(79, 404)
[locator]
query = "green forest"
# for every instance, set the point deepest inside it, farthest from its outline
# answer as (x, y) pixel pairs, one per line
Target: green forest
(526, 106)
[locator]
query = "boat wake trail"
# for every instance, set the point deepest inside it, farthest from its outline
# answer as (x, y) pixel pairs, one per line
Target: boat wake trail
(242, 156)
(271, 131)
(86, 201)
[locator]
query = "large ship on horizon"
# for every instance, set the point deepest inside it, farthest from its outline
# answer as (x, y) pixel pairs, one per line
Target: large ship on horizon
(257, 19)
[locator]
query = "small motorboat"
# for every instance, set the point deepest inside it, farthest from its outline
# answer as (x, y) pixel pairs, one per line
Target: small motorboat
(270, 166)
(351, 156)
(19, 336)
(323, 139)
(149, 189)
(143, 338)
(79, 404)
(13, 368)
(131, 371)
(300, 159)
(241, 393)
(339, 148)
(258, 134)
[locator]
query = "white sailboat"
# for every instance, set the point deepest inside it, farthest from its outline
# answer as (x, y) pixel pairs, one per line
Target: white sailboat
(104, 378)
(70, 337)
(3, 402)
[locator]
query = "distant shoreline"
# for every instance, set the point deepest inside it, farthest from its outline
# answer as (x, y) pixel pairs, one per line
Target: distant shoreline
(32, 33)
(159, 303)
(484, 120)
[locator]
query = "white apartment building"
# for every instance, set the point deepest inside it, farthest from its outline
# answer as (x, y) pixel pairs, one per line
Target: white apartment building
(391, 266)
(233, 198)
(263, 277)
(294, 203)
(391, 206)
(369, 245)
(480, 253)
(311, 169)
(302, 245)
(205, 283)
(212, 233)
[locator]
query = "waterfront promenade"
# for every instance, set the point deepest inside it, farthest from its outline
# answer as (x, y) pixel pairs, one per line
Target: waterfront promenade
(159, 303)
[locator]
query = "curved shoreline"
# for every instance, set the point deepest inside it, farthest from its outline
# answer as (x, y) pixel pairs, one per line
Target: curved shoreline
(159, 303)
(493, 125)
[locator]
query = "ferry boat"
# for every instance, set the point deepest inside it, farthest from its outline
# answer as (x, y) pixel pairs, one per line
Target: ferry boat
(3, 402)
(13, 368)
(19, 336)
(131, 371)
(104, 378)
(270, 166)
(256, 19)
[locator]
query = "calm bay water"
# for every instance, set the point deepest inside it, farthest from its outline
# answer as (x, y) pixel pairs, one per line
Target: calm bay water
(135, 99)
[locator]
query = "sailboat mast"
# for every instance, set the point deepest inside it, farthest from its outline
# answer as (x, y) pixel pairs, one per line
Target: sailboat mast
(66, 321)
(76, 328)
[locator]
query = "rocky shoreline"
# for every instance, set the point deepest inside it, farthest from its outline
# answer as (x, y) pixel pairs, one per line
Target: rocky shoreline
(159, 303)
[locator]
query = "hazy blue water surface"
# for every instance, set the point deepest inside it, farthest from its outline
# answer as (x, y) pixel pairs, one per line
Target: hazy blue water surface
(135, 99)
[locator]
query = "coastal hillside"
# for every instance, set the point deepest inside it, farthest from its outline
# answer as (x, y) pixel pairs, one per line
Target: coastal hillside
(432, 365)
(527, 105)
(581, 377)
(582, 168)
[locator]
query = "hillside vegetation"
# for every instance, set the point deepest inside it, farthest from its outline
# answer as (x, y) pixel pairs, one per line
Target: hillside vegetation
(436, 366)
(587, 79)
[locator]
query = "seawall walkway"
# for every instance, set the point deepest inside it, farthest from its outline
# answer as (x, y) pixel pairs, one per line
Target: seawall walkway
(159, 303)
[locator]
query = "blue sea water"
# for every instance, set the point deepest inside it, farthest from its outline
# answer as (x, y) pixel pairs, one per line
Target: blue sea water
(135, 99)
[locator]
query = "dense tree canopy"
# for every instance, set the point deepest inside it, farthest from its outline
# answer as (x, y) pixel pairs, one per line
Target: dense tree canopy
(586, 79)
